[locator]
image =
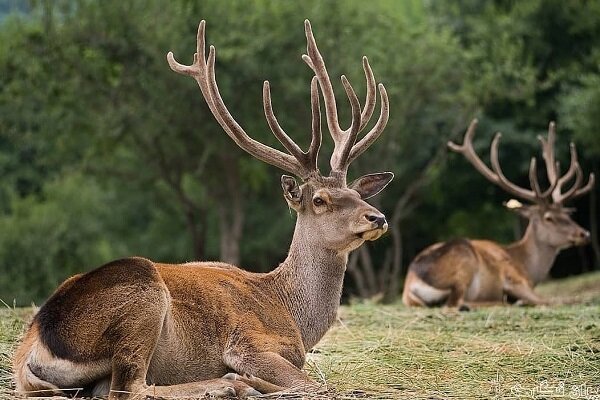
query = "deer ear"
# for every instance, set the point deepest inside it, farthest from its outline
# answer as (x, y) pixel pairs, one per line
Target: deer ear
(291, 191)
(517, 207)
(369, 185)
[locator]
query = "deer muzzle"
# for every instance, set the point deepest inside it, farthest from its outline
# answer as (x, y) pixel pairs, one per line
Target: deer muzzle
(379, 226)
(582, 237)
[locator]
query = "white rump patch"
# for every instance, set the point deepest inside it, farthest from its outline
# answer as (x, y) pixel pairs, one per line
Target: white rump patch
(44, 371)
(427, 293)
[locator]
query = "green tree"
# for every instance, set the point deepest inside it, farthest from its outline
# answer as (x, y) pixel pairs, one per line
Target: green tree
(92, 119)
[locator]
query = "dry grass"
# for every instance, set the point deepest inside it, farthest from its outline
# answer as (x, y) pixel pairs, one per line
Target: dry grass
(377, 351)
(11, 327)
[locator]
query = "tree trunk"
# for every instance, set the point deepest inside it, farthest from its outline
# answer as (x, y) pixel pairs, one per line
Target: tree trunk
(368, 270)
(360, 266)
(231, 223)
(230, 205)
(171, 173)
(196, 228)
(359, 280)
(195, 218)
(393, 274)
(594, 228)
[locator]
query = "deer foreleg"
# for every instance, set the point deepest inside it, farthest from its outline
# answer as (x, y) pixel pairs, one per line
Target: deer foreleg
(524, 293)
(268, 372)
(258, 384)
(213, 388)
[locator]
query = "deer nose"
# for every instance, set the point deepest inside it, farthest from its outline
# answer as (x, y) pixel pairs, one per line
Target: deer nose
(585, 235)
(379, 220)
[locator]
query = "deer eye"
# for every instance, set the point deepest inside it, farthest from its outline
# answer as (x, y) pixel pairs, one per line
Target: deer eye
(549, 217)
(317, 201)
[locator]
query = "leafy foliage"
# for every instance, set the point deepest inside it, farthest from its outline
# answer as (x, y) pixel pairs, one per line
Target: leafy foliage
(105, 152)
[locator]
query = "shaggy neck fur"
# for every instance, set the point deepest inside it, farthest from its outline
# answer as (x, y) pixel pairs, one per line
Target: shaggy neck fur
(535, 256)
(309, 283)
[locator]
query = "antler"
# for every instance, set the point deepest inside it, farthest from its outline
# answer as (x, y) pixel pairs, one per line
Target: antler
(346, 146)
(552, 169)
(496, 176)
(302, 164)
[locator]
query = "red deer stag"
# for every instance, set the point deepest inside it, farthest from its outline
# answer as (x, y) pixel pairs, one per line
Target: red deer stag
(134, 327)
(464, 270)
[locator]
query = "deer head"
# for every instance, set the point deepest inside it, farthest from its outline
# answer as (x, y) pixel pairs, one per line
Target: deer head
(549, 219)
(328, 209)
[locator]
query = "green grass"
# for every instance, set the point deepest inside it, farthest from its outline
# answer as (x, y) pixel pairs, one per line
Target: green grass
(390, 351)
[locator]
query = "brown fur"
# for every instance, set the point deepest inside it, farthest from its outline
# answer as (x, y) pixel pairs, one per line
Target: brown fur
(477, 271)
(26, 381)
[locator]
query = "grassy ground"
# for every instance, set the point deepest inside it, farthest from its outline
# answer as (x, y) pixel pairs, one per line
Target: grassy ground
(389, 351)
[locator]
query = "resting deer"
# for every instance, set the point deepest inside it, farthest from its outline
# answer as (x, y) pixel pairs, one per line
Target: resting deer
(464, 270)
(134, 327)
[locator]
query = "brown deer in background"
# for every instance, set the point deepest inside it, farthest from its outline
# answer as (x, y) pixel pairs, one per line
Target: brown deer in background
(464, 270)
(134, 327)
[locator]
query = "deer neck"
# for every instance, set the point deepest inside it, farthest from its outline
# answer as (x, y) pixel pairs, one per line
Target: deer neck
(309, 283)
(535, 256)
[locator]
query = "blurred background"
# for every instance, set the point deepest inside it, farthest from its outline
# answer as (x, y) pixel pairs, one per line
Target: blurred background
(105, 152)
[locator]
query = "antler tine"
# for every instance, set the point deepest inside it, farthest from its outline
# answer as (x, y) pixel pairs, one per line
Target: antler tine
(279, 133)
(574, 164)
(576, 190)
(496, 176)
(308, 158)
(315, 61)
(548, 152)
(370, 99)
(377, 129)
(203, 72)
(332, 117)
(535, 184)
(503, 181)
(237, 133)
(198, 68)
(467, 150)
(317, 137)
(341, 152)
(346, 147)
(576, 185)
(589, 185)
(574, 170)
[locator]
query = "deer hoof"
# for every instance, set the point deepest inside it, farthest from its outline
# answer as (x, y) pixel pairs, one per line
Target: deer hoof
(524, 303)
(242, 389)
(226, 391)
(464, 307)
(249, 392)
